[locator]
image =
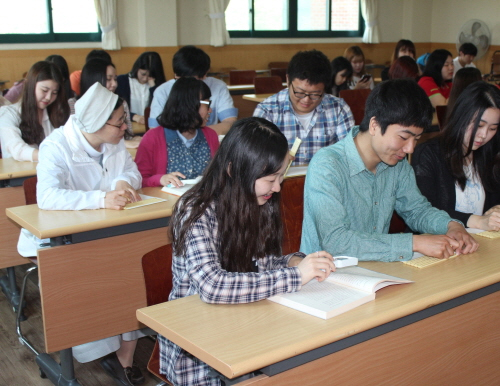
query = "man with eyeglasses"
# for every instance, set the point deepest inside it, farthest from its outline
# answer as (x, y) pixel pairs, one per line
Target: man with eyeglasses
(306, 109)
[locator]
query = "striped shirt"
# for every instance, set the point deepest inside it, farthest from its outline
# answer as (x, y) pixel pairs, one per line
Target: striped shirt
(348, 209)
(200, 272)
(331, 121)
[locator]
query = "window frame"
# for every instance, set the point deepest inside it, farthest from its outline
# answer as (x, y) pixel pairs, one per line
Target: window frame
(51, 36)
(293, 32)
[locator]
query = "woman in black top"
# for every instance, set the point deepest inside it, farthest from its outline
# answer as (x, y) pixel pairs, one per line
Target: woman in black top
(459, 171)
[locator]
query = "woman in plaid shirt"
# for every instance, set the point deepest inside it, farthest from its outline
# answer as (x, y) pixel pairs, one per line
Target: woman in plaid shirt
(227, 236)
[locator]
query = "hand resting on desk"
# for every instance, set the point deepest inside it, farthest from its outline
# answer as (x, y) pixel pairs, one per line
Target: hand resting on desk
(315, 265)
(124, 194)
(456, 240)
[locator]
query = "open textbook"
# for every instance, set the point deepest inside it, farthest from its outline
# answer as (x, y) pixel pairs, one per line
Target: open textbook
(343, 290)
(188, 184)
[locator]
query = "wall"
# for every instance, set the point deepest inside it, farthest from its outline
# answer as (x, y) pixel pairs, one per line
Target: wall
(163, 25)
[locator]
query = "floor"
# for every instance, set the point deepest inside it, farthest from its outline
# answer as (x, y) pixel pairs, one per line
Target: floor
(17, 362)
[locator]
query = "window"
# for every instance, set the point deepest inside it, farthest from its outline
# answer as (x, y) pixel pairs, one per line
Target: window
(47, 21)
(294, 18)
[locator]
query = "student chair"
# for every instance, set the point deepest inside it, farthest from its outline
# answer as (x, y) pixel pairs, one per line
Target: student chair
(157, 269)
(397, 224)
(356, 100)
(281, 72)
(241, 77)
(292, 212)
(29, 186)
(267, 84)
(277, 65)
(495, 67)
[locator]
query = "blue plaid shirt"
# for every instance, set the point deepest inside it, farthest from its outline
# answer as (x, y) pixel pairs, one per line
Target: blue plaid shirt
(200, 272)
(331, 121)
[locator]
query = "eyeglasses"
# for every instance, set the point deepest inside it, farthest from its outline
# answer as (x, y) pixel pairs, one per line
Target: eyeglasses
(206, 103)
(302, 95)
(124, 118)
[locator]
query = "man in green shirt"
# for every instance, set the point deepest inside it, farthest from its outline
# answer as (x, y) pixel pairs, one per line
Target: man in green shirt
(353, 187)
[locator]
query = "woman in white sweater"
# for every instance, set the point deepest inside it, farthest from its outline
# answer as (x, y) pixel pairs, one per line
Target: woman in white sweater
(42, 108)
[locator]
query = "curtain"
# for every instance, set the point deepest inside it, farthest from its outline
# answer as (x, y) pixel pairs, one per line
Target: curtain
(218, 33)
(106, 14)
(369, 13)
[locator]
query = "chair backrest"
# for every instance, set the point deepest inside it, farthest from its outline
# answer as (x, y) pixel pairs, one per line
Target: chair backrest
(267, 84)
(281, 72)
(29, 186)
(397, 224)
(441, 116)
(277, 65)
(356, 100)
(292, 212)
(157, 269)
(147, 113)
(241, 77)
(495, 66)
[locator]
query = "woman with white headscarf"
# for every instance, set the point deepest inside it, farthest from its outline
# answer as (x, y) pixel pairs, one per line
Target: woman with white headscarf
(85, 165)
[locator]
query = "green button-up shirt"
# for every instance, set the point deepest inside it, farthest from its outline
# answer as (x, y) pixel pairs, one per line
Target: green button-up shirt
(348, 209)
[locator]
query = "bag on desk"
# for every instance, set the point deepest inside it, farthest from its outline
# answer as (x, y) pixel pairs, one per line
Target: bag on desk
(28, 243)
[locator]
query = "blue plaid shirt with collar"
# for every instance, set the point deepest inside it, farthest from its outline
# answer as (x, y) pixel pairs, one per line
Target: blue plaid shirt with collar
(331, 121)
(200, 272)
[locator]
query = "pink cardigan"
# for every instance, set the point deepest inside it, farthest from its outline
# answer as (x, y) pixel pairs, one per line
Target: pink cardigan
(152, 157)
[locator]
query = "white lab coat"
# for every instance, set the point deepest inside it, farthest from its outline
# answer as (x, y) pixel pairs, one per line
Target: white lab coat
(10, 134)
(68, 179)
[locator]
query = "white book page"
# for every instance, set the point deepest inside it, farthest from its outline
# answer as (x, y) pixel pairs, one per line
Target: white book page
(177, 191)
(324, 299)
(364, 279)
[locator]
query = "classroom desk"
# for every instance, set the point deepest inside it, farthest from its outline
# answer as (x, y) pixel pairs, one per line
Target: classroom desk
(138, 128)
(91, 287)
(442, 329)
(12, 175)
(256, 97)
(132, 152)
(239, 89)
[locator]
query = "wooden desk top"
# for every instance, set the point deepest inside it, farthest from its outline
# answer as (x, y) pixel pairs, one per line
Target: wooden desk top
(240, 87)
(238, 339)
(138, 128)
(10, 168)
(132, 152)
(256, 97)
(52, 223)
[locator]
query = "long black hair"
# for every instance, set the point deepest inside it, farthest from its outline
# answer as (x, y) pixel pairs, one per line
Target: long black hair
(468, 110)
(181, 112)
(58, 111)
(434, 65)
(461, 80)
(94, 71)
(340, 64)
(152, 62)
(63, 66)
(253, 148)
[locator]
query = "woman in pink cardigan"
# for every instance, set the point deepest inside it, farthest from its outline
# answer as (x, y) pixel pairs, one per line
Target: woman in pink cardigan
(182, 146)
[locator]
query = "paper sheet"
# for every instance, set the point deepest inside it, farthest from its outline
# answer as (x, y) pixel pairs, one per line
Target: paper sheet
(145, 200)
